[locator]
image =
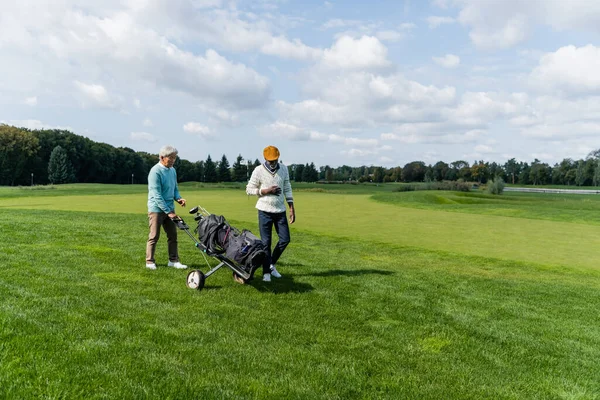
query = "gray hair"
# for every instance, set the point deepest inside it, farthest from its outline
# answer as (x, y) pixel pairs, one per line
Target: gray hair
(166, 151)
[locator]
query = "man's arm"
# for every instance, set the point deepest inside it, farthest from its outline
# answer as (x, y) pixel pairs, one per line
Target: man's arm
(177, 195)
(289, 197)
(253, 186)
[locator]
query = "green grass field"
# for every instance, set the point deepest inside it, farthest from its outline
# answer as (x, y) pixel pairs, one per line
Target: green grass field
(384, 295)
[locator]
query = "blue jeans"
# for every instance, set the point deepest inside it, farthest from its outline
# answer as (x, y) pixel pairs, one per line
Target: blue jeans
(266, 221)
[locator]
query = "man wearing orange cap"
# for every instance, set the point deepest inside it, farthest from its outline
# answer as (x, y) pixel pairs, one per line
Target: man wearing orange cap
(270, 181)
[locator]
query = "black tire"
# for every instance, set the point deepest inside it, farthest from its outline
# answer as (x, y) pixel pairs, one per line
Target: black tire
(195, 279)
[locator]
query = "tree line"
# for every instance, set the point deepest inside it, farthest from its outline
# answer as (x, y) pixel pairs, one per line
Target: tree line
(59, 156)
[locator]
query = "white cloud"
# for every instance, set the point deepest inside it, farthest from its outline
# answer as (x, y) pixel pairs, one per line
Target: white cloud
(198, 129)
(137, 103)
(447, 61)
(219, 115)
(349, 53)
(570, 68)
(482, 148)
(81, 46)
(31, 101)
(143, 137)
(148, 122)
(226, 28)
(95, 95)
(340, 23)
(390, 36)
(359, 153)
(435, 21)
(499, 24)
(440, 3)
(285, 48)
(293, 132)
(433, 133)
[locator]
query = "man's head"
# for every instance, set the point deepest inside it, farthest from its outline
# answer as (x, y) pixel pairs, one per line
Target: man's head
(168, 156)
(271, 154)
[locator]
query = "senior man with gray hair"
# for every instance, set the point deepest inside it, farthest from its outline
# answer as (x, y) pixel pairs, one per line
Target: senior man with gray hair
(162, 194)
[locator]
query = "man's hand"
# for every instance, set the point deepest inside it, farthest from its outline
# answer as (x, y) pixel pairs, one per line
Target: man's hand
(181, 202)
(292, 215)
(172, 215)
(276, 190)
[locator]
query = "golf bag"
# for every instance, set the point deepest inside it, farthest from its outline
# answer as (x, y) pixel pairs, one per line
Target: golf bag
(218, 237)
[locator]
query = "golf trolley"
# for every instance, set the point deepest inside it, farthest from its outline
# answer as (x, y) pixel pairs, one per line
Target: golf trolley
(241, 251)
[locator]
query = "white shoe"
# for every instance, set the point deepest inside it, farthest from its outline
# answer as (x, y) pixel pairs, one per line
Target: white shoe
(177, 265)
(267, 278)
(274, 272)
(150, 265)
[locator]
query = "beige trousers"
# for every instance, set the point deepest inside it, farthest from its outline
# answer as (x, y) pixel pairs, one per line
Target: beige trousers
(155, 221)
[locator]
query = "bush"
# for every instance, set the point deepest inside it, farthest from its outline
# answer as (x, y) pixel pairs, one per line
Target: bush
(496, 186)
(405, 188)
(445, 185)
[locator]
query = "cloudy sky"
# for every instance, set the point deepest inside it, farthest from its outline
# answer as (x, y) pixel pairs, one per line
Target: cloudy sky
(332, 82)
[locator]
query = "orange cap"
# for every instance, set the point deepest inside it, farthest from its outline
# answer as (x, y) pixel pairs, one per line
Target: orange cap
(271, 153)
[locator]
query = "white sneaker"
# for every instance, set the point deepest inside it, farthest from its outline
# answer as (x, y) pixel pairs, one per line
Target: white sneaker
(267, 278)
(150, 265)
(274, 272)
(177, 265)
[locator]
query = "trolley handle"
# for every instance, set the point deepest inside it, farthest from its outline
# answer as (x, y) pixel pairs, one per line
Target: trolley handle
(180, 223)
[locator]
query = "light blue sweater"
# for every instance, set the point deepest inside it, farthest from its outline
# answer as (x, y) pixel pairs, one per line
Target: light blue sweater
(162, 189)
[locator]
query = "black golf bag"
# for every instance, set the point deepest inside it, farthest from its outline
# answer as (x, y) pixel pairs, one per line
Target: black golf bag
(242, 247)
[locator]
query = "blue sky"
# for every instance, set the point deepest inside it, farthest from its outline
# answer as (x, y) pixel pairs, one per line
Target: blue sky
(329, 82)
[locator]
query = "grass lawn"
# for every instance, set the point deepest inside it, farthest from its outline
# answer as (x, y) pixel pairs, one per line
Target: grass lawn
(384, 297)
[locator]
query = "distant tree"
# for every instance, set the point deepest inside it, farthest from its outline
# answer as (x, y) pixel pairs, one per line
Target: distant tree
(462, 169)
(429, 173)
(524, 174)
(440, 170)
(18, 148)
(480, 171)
(310, 173)
(239, 170)
(186, 171)
(414, 172)
(594, 154)
(396, 174)
(59, 167)
(199, 171)
(210, 170)
(596, 180)
(540, 173)
(512, 170)
(298, 173)
(496, 171)
(224, 172)
(580, 173)
(329, 174)
(378, 174)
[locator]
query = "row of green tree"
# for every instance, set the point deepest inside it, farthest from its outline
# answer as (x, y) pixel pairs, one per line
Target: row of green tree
(59, 156)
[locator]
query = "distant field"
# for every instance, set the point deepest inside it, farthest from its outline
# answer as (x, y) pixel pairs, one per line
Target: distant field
(384, 295)
(553, 229)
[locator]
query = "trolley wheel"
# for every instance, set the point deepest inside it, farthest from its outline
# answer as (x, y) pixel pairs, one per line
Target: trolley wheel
(195, 279)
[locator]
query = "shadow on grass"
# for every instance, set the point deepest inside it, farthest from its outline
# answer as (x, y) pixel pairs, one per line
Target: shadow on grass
(285, 284)
(353, 272)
